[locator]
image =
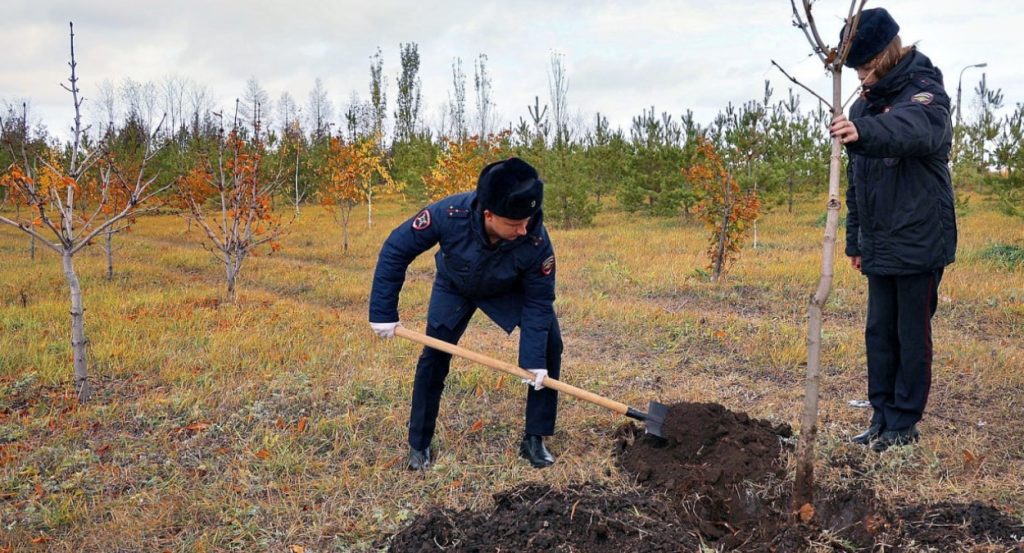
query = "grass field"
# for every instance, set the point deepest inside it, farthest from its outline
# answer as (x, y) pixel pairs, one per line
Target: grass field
(280, 421)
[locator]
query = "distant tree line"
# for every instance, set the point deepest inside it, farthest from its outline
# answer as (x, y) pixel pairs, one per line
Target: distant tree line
(775, 147)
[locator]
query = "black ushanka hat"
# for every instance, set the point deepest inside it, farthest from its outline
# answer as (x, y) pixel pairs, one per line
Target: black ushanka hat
(875, 31)
(510, 188)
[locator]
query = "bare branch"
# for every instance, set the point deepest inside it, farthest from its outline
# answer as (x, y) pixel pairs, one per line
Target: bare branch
(803, 86)
(853, 19)
(814, 28)
(799, 22)
(28, 229)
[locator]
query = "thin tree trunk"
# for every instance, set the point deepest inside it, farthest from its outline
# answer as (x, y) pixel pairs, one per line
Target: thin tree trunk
(803, 489)
(78, 340)
(110, 252)
(32, 248)
(720, 258)
(297, 198)
(790, 194)
(232, 273)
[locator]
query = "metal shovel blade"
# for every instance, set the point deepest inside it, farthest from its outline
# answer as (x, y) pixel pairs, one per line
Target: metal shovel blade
(654, 418)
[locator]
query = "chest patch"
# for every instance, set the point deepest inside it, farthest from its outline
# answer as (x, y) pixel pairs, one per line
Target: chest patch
(923, 98)
(422, 220)
(548, 266)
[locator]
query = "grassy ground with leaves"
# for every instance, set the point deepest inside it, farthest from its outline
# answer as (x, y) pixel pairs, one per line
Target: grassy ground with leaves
(278, 423)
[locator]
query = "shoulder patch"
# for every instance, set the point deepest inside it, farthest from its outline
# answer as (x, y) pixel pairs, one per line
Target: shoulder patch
(458, 213)
(536, 239)
(548, 266)
(923, 98)
(422, 220)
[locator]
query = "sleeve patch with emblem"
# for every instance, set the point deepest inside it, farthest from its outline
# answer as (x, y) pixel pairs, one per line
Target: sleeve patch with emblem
(422, 220)
(923, 98)
(548, 266)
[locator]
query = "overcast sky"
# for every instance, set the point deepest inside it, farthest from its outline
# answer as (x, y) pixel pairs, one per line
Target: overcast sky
(620, 57)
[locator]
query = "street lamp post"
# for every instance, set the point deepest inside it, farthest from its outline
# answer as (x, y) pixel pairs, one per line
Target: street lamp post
(959, 85)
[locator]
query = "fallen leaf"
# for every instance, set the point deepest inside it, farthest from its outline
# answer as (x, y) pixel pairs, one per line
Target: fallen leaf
(301, 426)
(196, 427)
(477, 425)
(479, 390)
(501, 380)
(39, 492)
(969, 457)
(279, 423)
(41, 539)
(806, 512)
(102, 449)
(263, 454)
(298, 549)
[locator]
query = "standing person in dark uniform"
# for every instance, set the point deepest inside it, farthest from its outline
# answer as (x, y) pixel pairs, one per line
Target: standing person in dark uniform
(901, 226)
(495, 255)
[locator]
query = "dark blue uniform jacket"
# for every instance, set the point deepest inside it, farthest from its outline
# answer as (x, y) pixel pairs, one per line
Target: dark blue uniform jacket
(513, 282)
(900, 198)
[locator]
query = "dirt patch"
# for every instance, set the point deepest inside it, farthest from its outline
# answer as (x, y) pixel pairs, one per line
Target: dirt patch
(716, 478)
(711, 461)
(584, 518)
(972, 526)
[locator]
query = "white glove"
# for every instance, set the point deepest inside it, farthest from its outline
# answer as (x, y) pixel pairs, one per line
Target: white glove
(538, 378)
(385, 330)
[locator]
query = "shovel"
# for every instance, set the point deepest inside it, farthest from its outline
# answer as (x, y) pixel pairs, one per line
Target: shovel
(654, 417)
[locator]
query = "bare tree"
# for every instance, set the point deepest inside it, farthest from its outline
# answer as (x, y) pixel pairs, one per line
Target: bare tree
(61, 210)
(558, 86)
(457, 102)
(320, 111)
(484, 104)
(832, 58)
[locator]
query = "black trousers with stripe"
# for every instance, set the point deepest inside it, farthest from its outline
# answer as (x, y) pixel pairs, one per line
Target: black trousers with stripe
(898, 336)
(432, 369)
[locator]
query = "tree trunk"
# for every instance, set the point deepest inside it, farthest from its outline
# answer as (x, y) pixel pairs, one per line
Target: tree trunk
(297, 198)
(78, 340)
(720, 258)
(803, 488)
(232, 273)
(790, 194)
(32, 247)
(110, 253)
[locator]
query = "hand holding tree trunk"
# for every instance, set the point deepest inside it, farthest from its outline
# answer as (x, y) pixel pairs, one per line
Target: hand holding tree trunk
(832, 58)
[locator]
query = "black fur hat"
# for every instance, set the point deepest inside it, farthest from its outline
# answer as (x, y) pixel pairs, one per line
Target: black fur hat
(875, 31)
(510, 188)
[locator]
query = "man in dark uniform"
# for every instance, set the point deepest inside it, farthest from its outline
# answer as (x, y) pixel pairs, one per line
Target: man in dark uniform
(495, 255)
(901, 225)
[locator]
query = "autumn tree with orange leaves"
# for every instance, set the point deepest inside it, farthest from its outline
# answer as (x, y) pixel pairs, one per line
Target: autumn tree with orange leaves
(351, 172)
(727, 212)
(458, 166)
(71, 201)
(229, 196)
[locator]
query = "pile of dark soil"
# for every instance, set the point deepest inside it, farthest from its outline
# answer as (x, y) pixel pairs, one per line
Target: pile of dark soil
(535, 517)
(712, 461)
(715, 479)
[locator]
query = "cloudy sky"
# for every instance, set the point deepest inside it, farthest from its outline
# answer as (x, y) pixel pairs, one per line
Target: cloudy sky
(621, 57)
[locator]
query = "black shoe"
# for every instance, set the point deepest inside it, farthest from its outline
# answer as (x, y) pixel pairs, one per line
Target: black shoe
(869, 435)
(532, 449)
(419, 459)
(891, 438)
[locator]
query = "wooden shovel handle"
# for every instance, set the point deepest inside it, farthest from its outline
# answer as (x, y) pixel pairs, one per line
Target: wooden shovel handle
(509, 368)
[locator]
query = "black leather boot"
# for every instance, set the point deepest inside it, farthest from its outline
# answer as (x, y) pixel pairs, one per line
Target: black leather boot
(891, 438)
(532, 449)
(869, 435)
(419, 459)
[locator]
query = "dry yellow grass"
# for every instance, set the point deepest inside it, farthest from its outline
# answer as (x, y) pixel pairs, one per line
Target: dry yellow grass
(280, 421)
